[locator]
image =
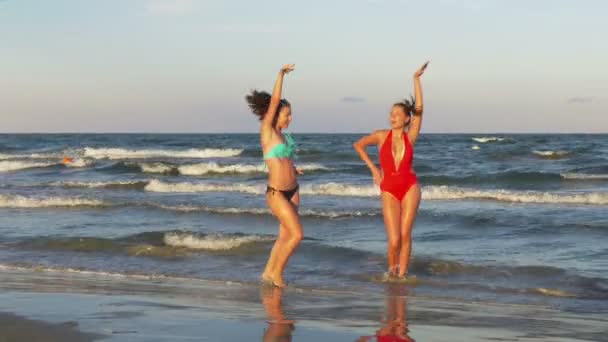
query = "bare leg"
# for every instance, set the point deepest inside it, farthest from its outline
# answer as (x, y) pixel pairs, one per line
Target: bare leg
(272, 259)
(392, 211)
(289, 237)
(282, 238)
(409, 209)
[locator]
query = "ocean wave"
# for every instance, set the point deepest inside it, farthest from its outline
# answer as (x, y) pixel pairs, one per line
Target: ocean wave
(201, 169)
(338, 189)
(80, 162)
(551, 154)
(17, 201)
(428, 193)
(134, 184)
(584, 176)
(158, 167)
(551, 292)
(217, 210)
(332, 214)
(507, 177)
(42, 268)
(121, 153)
(210, 168)
(331, 189)
(212, 242)
(152, 244)
(453, 193)
(160, 186)
(50, 155)
(15, 165)
(483, 140)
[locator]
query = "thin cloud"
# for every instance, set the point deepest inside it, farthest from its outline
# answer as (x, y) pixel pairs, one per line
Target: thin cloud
(169, 7)
(581, 99)
(352, 99)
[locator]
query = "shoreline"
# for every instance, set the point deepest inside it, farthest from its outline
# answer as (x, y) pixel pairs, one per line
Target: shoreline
(164, 309)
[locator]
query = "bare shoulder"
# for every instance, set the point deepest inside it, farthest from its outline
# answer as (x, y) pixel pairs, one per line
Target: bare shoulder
(381, 134)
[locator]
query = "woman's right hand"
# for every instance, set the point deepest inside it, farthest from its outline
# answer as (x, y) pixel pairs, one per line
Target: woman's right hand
(377, 175)
(287, 68)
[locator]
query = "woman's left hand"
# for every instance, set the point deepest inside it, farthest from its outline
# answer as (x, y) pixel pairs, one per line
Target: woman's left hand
(420, 71)
(299, 171)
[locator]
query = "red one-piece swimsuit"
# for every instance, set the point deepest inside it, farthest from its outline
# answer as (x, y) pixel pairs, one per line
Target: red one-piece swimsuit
(397, 180)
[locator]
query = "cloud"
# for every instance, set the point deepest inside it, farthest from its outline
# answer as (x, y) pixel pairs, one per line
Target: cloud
(171, 7)
(352, 99)
(581, 99)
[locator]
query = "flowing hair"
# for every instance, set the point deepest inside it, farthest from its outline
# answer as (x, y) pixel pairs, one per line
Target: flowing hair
(259, 101)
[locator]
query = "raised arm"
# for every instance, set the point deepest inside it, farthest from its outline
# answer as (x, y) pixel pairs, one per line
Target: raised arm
(360, 146)
(275, 100)
(414, 129)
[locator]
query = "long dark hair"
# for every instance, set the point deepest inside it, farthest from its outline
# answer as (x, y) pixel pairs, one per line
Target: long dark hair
(259, 101)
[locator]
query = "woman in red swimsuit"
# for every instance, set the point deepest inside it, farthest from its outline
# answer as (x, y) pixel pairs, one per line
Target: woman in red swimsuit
(397, 180)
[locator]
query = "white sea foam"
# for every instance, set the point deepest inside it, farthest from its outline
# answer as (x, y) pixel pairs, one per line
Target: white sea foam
(160, 186)
(584, 176)
(161, 168)
(453, 193)
(213, 242)
(121, 153)
(551, 154)
(15, 165)
(18, 201)
(428, 192)
(483, 140)
(265, 211)
(207, 168)
(93, 185)
(80, 162)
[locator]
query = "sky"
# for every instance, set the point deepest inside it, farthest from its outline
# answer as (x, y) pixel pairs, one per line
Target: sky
(522, 66)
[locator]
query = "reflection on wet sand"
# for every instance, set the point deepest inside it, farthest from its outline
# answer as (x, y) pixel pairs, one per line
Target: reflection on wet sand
(394, 320)
(279, 327)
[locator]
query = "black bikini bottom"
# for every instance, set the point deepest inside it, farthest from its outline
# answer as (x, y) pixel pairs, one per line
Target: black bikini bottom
(288, 194)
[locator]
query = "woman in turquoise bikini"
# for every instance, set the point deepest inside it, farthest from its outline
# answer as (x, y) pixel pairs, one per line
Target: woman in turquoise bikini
(282, 193)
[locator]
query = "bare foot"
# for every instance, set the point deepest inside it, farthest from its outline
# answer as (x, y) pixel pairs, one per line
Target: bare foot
(407, 279)
(273, 280)
(266, 277)
(278, 282)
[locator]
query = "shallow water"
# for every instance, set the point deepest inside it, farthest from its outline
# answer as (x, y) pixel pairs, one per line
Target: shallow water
(504, 218)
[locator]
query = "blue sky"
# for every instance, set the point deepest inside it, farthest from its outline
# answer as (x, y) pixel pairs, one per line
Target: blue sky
(185, 65)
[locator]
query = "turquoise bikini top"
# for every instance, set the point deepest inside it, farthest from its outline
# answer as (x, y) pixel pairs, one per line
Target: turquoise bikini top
(283, 150)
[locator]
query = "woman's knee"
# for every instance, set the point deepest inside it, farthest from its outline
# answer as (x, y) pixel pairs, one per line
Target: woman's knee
(406, 237)
(292, 233)
(394, 244)
(296, 235)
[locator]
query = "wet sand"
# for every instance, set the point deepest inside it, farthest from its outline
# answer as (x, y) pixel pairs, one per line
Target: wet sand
(17, 328)
(81, 307)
